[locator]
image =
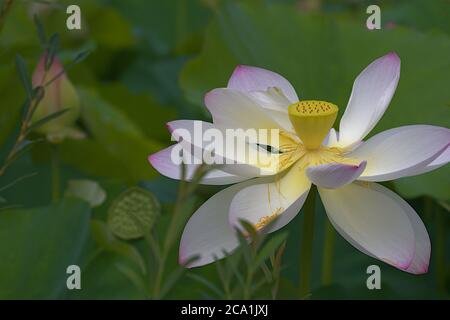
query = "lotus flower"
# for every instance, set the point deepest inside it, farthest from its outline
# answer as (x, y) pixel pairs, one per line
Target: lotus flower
(344, 168)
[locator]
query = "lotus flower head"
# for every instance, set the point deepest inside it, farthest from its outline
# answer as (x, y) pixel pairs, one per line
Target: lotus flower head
(343, 166)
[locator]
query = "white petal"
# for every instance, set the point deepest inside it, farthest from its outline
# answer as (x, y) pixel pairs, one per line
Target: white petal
(440, 161)
(276, 106)
(162, 162)
(283, 197)
(372, 91)
(247, 78)
(189, 125)
(331, 139)
(401, 152)
(271, 99)
(373, 221)
(334, 175)
(241, 159)
(208, 233)
(234, 109)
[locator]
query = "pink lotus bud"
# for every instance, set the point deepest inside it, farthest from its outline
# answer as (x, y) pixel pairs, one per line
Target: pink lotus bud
(60, 94)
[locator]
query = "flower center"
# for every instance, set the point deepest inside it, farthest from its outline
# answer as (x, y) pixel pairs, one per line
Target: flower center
(312, 120)
(323, 155)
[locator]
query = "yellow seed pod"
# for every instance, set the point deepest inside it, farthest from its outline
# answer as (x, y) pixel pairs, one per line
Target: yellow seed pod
(312, 120)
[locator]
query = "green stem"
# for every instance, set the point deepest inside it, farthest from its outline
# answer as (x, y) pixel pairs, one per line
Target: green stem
(428, 208)
(306, 253)
(248, 285)
(328, 250)
(56, 173)
(158, 279)
(170, 234)
(440, 249)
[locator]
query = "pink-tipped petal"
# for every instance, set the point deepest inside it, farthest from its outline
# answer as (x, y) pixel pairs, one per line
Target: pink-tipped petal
(162, 161)
(188, 125)
(247, 78)
(402, 152)
(371, 94)
(421, 260)
(334, 175)
(377, 222)
(192, 134)
(166, 164)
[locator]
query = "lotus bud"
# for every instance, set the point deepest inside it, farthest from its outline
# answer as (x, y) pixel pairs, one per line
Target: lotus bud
(60, 94)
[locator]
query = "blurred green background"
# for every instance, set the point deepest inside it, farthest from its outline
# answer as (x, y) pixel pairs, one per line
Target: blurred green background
(151, 62)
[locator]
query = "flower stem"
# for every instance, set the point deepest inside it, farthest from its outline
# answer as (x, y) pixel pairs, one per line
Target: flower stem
(248, 284)
(158, 279)
(428, 208)
(170, 234)
(440, 249)
(23, 133)
(306, 253)
(328, 249)
(56, 173)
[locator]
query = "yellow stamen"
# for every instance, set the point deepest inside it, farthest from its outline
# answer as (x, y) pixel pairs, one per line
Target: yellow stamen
(323, 155)
(264, 221)
(312, 120)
